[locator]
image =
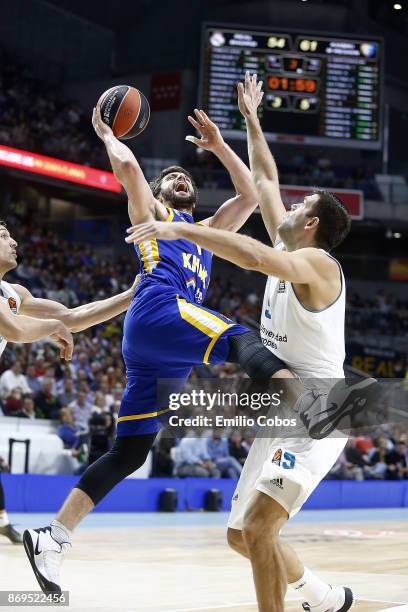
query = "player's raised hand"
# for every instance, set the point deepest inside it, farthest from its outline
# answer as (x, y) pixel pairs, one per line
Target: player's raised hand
(211, 138)
(63, 337)
(152, 229)
(250, 95)
(101, 128)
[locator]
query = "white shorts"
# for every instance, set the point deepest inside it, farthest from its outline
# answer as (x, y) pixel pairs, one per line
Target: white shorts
(286, 469)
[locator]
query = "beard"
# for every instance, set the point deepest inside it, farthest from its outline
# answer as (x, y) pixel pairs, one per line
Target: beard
(178, 200)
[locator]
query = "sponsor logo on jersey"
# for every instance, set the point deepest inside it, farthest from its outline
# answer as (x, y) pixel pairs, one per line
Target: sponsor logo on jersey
(277, 457)
(278, 482)
(193, 263)
(13, 305)
(282, 286)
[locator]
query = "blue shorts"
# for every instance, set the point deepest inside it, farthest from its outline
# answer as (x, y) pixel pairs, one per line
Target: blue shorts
(164, 336)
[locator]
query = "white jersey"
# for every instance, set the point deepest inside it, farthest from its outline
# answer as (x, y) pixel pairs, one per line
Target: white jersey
(10, 297)
(311, 343)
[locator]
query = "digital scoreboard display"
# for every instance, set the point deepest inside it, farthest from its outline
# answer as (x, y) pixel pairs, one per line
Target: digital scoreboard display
(319, 90)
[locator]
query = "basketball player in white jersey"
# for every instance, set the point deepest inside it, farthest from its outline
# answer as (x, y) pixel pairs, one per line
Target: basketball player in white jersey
(303, 325)
(24, 318)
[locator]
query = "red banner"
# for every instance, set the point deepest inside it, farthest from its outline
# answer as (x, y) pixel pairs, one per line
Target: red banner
(58, 169)
(352, 199)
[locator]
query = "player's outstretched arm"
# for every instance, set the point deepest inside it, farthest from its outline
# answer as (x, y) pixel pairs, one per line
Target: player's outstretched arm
(261, 161)
(235, 211)
(142, 206)
(303, 266)
(79, 318)
(26, 329)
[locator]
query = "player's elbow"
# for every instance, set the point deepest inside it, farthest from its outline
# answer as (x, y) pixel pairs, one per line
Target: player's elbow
(125, 170)
(71, 319)
(265, 184)
(11, 331)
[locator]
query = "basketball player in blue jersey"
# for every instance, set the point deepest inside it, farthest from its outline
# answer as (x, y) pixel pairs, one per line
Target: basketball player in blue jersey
(167, 330)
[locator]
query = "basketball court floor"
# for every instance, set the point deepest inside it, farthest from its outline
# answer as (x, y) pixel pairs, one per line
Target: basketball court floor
(181, 563)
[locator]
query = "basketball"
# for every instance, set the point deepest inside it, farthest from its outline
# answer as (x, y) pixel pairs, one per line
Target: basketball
(126, 110)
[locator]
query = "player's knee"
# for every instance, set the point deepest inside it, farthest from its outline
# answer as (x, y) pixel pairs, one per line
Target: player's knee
(128, 454)
(263, 521)
(234, 539)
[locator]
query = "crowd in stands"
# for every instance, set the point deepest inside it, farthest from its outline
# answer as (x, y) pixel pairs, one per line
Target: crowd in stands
(84, 395)
(36, 118)
(305, 170)
(383, 314)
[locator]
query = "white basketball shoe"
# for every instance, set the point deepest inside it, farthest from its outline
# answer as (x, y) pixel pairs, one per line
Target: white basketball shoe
(45, 555)
(338, 599)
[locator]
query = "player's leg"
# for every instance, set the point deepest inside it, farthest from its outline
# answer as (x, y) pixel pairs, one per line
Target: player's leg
(6, 529)
(273, 566)
(45, 547)
(287, 477)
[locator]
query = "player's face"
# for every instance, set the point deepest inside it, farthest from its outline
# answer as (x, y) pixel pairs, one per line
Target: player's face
(8, 253)
(177, 189)
(298, 216)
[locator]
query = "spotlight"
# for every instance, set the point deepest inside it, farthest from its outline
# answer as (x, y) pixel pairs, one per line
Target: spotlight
(397, 6)
(397, 235)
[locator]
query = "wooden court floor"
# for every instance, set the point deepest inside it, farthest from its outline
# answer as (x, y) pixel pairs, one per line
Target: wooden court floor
(178, 568)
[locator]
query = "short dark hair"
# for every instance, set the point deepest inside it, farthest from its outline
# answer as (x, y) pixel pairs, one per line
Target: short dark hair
(334, 219)
(155, 184)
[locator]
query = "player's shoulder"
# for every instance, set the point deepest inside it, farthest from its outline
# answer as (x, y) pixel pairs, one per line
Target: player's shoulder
(21, 291)
(323, 262)
(179, 216)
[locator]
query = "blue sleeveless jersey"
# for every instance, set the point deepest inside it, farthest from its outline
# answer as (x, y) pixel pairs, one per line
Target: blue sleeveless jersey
(180, 264)
(167, 330)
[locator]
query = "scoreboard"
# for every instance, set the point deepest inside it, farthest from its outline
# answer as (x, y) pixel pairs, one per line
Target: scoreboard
(319, 90)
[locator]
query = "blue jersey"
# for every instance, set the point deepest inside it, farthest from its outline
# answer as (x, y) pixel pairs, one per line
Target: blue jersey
(167, 331)
(177, 263)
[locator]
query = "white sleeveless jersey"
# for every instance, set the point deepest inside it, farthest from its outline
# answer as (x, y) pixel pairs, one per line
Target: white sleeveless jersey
(11, 298)
(310, 343)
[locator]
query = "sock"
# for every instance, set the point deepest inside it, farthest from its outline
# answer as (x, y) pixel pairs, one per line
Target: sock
(311, 588)
(60, 533)
(4, 521)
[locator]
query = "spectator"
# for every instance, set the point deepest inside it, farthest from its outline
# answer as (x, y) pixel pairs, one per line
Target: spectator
(378, 458)
(100, 406)
(357, 464)
(81, 411)
(236, 448)
(67, 431)
(192, 458)
(163, 463)
(100, 435)
(67, 394)
(33, 381)
(14, 403)
(12, 379)
(47, 403)
(217, 448)
(396, 462)
(28, 409)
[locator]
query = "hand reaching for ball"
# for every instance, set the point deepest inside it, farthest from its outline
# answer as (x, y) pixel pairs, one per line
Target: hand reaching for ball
(101, 128)
(211, 138)
(250, 95)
